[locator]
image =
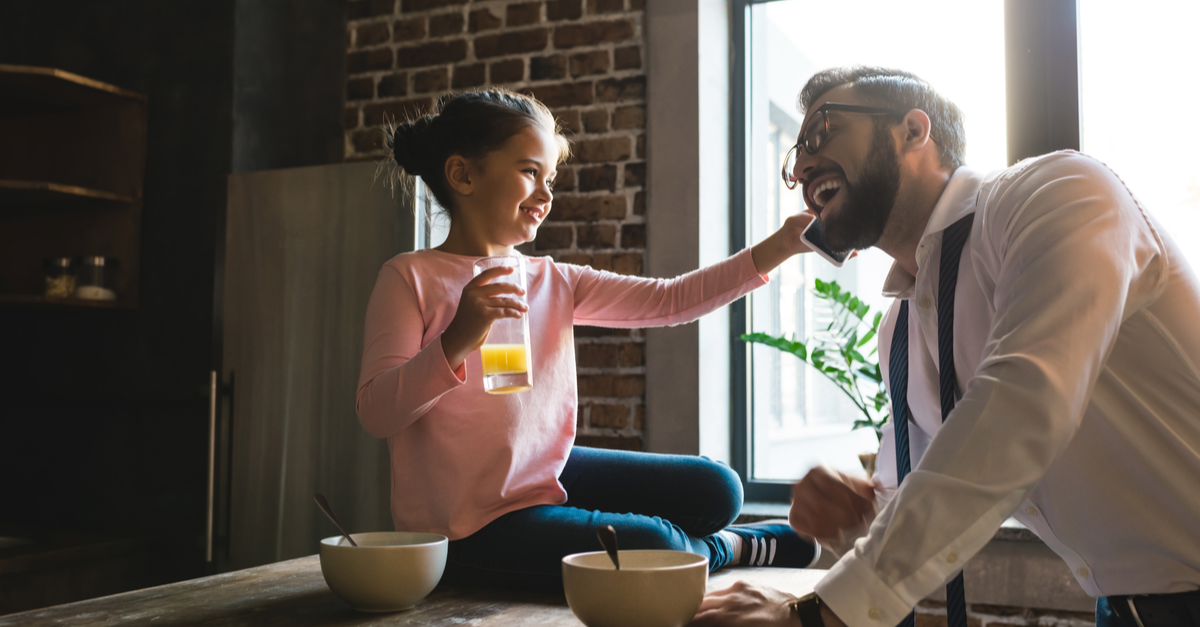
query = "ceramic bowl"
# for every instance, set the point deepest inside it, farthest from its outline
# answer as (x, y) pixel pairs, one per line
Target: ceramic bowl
(652, 589)
(388, 571)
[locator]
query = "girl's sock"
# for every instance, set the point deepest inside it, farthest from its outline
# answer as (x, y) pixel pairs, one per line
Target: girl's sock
(773, 543)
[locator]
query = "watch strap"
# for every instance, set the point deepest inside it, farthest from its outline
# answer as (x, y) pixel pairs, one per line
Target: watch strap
(808, 609)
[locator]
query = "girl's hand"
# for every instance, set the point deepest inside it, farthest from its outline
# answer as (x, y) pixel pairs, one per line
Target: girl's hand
(483, 302)
(779, 246)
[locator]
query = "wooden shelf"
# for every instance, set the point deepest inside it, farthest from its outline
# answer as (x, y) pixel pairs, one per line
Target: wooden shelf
(30, 300)
(27, 90)
(46, 192)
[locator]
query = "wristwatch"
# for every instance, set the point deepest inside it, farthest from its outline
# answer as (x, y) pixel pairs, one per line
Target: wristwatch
(808, 609)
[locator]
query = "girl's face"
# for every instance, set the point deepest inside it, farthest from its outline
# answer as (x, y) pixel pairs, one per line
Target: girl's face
(510, 191)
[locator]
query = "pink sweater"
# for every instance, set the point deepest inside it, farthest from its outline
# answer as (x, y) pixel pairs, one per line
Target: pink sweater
(462, 457)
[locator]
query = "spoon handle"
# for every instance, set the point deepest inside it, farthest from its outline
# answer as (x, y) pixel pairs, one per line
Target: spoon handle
(324, 505)
(608, 539)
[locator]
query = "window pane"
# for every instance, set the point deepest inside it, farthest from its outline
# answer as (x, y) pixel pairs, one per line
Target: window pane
(1152, 51)
(799, 419)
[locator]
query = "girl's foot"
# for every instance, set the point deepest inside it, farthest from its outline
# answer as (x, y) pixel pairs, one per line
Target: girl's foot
(773, 543)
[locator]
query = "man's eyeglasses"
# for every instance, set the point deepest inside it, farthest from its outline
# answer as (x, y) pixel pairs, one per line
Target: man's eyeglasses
(813, 137)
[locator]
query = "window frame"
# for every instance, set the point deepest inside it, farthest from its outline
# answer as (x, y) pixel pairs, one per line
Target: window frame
(1042, 76)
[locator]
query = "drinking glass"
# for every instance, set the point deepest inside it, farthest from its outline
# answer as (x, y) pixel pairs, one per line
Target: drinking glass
(505, 352)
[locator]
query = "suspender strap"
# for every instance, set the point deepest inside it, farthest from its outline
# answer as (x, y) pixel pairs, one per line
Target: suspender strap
(953, 240)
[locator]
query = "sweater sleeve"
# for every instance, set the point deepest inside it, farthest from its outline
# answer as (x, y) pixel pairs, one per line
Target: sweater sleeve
(400, 380)
(607, 299)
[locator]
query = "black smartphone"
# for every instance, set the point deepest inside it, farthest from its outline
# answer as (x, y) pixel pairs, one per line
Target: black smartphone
(814, 237)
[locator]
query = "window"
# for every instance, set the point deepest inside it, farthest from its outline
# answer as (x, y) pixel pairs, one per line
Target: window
(793, 418)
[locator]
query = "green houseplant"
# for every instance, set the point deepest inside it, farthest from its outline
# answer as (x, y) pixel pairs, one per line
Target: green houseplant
(838, 353)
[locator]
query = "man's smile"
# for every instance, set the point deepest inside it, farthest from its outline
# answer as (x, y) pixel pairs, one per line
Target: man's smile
(821, 189)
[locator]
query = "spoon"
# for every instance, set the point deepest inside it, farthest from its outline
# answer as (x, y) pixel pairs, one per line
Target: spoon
(324, 505)
(608, 539)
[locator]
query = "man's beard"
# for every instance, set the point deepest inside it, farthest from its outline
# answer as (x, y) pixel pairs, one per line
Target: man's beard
(869, 202)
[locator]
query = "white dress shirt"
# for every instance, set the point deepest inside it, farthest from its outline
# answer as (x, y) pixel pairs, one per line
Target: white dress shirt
(1076, 345)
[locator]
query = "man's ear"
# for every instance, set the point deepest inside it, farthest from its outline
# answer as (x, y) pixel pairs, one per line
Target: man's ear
(458, 175)
(916, 130)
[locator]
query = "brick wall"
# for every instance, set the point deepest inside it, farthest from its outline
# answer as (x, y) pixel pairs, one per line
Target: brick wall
(585, 60)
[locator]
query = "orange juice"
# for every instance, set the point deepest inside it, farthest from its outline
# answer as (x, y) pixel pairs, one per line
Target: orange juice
(504, 359)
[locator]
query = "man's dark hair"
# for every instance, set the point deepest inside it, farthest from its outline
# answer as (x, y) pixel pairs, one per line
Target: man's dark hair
(902, 91)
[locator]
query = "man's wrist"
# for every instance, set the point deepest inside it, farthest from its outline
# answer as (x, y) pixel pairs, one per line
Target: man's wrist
(808, 609)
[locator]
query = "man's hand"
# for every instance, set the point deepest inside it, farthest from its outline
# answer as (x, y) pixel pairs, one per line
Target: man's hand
(746, 605)
(827, 503)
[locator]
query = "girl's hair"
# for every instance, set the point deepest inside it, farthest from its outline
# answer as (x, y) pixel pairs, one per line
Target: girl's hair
(469, 124)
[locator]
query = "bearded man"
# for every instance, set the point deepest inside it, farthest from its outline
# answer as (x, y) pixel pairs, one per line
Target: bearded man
(1042, 355)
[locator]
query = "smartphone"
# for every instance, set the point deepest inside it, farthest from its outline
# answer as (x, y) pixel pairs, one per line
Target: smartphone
(814, 237)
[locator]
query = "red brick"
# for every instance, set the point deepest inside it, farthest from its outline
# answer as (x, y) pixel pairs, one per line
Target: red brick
(570, 120)
(616, 443)
(632, 355)
(350, 119)
(368, 60)
(618, 89)
(360, 89)
(596, 385)
(558, 10)
(628, 385)
(621, 263)
(595, 120)
(409, 6)
(373, 115)
(358, 9)
(637, 5)
(565, 180)
(595, 62)
(545, 68)
(633, 236)
(639, 204)
(629, 117)
(508, 71)
(370, 140)
(579, 260)
(597, 236)
(408, 30)
(592, 33)
(607, 416)
(603, 150)
(431, 80)
(371, 34)
(554, 237)
(432, 53)
(606, 6)
(596, 178)
(641, 147)
(446, 24)
(564, 94)
(469, 75)
(627, 58)
(482, 20)
(596, 355)
(635, 174)
(511, 43)
(523, 14)
(393, 85)
(639, 417)
(575, 208)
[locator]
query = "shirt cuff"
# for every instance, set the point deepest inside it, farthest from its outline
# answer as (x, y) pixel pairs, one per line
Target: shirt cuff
(858, 597)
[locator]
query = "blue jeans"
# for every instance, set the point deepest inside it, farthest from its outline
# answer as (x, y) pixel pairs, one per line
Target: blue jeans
(654, 501)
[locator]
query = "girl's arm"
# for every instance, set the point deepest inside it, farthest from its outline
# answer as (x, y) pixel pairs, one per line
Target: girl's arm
(779, 246)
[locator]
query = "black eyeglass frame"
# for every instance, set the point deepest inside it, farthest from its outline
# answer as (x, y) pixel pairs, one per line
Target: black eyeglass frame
(812, 148)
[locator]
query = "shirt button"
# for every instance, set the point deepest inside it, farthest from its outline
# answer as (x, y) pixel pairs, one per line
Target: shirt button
(874, 613)
(1083, 572)
(1032, 511)
(925, 303)
(951, 557)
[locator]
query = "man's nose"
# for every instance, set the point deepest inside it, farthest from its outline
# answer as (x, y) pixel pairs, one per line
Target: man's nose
(803, 165)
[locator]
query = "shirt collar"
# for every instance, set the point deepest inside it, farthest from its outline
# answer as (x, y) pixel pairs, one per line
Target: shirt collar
(956, 201)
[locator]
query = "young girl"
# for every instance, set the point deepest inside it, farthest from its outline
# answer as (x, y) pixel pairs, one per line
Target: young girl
(497, 474)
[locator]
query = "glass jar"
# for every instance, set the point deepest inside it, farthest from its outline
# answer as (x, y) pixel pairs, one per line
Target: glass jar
(96, 278)
(60, 277)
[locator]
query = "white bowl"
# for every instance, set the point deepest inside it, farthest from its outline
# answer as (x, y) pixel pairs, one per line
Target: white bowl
(652, 589)
(388, 571)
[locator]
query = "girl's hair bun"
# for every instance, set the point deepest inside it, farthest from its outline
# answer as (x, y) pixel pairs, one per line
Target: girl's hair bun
(410, 143)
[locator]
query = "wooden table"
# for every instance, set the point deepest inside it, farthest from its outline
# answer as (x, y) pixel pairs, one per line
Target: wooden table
(293, 593)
